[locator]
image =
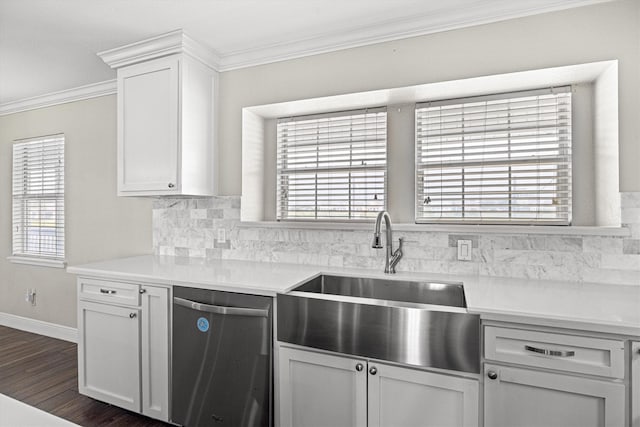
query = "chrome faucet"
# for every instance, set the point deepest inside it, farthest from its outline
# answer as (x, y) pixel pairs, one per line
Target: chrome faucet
(392, 258)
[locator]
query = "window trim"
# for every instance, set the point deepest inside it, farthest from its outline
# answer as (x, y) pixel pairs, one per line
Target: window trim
(40, 262)
(479, 221)
(39, 259)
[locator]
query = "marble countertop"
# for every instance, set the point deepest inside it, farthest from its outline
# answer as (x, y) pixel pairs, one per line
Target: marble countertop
(607, 308)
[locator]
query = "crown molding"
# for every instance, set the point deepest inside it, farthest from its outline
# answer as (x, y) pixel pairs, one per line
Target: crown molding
(174, 42)
(483, 12)
(62, 97)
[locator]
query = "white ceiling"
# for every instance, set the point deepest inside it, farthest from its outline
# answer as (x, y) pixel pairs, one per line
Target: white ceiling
(51, 45)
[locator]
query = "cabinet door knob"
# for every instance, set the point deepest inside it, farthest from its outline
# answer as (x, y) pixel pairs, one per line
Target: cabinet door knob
(359, 367)
(373, 370)
(143, 291)
(492, 375)
(132, 315)
(171, 185)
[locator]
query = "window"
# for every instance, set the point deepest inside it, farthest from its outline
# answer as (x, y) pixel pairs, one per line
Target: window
(332, 166)
(495, 159)
(38, 198)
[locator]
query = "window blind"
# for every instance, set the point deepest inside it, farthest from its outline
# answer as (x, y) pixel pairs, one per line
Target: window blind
(38, 197)
(497, 159)
(332, 166)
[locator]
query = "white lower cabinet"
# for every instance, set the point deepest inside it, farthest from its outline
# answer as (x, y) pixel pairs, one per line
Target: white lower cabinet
(635, 383)
(403, 397)
(518, 397)
(318, 390)
(109, 354)
(321, 390)
(564, 379)
(155, 352)
(123, 347)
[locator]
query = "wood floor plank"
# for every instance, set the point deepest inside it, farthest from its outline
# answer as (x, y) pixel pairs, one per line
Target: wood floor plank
(43, 372)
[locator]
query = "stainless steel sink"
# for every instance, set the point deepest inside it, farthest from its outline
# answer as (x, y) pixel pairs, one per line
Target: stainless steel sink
(420, 323)
(432, 293)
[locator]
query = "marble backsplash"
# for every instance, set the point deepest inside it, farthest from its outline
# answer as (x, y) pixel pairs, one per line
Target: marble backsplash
(190, 227)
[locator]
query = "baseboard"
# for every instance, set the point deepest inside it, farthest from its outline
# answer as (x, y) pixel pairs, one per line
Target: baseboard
(52, 330)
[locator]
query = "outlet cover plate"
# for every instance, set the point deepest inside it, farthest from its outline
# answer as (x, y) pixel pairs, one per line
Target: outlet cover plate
(464, 250)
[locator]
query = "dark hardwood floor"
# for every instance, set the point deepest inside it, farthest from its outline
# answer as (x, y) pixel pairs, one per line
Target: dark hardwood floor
(43, 372)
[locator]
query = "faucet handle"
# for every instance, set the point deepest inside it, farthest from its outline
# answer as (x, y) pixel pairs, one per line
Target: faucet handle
(400, 241)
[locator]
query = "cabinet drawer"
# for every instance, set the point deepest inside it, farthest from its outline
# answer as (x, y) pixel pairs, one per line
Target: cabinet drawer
(110, 292)
(555, 351)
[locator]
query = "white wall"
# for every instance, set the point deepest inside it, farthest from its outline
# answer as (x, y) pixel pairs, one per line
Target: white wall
(588, 34)
(99, 225)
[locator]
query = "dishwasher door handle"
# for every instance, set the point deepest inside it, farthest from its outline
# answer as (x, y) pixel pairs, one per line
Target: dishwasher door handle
(219, 309)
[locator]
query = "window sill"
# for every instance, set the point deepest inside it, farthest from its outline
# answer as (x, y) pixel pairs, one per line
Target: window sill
(40, 262)
(450, 228)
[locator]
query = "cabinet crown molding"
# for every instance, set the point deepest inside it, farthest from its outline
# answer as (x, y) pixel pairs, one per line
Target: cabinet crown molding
(174, 42)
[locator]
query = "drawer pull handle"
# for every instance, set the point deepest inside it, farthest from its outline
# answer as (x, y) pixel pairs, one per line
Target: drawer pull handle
(546, 352)
(107, 291)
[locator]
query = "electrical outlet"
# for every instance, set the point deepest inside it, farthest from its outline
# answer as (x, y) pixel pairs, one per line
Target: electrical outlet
(222, 235)
(464, 250)
(30, 296)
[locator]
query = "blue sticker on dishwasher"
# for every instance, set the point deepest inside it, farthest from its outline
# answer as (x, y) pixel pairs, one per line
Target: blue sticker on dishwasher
(203, 324)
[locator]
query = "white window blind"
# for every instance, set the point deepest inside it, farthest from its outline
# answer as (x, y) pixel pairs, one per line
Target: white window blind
(38, 197)
(332, 166)
(496, 159)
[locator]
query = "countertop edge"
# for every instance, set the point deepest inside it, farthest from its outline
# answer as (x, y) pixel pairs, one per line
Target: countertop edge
(159, 280)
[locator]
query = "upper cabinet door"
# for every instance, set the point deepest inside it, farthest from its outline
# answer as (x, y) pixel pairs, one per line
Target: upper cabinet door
(148, 136)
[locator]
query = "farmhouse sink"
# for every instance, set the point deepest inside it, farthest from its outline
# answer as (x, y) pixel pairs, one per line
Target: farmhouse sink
(419, 323)
(432, 293)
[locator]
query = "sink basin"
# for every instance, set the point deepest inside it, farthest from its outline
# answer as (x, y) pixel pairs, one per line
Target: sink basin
(419, 323)
(432, 293)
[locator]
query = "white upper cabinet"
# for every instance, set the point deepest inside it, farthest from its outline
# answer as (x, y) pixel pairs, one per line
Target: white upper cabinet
(166, 117)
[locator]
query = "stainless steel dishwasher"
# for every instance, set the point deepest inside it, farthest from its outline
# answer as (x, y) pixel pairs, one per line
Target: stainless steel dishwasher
(221, 366)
